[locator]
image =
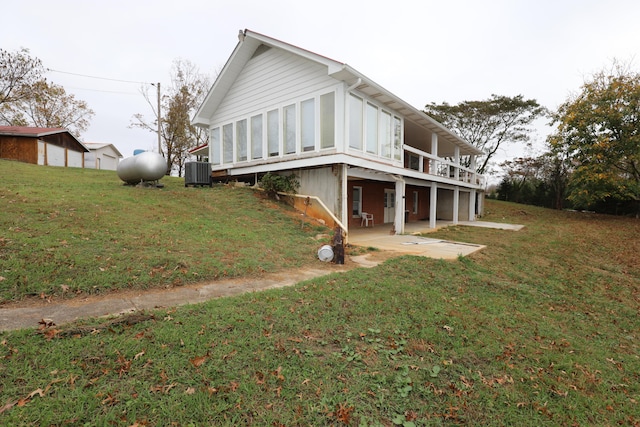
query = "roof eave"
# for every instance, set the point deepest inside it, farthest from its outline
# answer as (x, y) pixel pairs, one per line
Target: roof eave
(350, 76)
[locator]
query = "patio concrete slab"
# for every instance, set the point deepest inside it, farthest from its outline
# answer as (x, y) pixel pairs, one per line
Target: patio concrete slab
(412, 242)
(415, 245)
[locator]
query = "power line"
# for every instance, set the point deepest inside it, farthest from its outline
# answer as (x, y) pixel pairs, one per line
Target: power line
(103, 91)
(95, 77)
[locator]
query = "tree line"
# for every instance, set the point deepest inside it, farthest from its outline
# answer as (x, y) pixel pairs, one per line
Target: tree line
(592, 158)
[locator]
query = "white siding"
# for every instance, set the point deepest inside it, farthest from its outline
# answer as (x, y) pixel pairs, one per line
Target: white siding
(90, 161)
(41, 148)
(74, 159)
(324, 184)
(109, 162)
(270, 80)
(55, 155)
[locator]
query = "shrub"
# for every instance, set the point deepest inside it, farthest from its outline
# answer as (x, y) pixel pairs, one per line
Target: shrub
(274, 184)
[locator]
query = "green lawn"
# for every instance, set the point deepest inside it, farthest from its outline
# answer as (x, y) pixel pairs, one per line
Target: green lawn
(69, 231)
(539, 328)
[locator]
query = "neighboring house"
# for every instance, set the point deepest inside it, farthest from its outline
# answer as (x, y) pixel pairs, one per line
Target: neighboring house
(353, 144)
(101, 156)
(201, 152)
(41, 146)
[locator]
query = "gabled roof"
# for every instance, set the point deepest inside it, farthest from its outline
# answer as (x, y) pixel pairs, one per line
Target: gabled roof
(249, 41)
(99, 145)
(200, 150)
(29, 131)
(36, 132)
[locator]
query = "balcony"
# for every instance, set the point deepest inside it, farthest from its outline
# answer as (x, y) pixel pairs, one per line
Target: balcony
(429, 164)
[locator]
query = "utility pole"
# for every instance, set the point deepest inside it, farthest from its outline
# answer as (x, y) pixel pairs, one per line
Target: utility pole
(159, 124)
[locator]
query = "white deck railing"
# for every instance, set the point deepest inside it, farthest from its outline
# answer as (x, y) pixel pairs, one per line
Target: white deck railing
(439, 166)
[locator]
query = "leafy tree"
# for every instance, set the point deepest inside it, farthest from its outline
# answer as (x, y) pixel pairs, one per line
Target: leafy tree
(18, 72)
(187, 91)
(48, 105)
(489, 124)
(540, 181)
(599, 131)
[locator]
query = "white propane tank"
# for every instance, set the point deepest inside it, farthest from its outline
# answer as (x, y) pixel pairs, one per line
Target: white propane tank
(146, 166)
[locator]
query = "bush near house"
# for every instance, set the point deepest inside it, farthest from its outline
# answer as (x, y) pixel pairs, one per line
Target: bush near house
(274, 183)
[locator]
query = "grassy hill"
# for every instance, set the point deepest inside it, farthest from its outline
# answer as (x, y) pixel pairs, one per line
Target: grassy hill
(539, 328)
(69, 231)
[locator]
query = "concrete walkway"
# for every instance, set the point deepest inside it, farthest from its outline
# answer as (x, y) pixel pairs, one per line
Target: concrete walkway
(60, 312)
(66, 311)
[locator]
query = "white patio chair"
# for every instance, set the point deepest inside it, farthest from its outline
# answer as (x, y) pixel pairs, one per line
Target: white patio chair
(366, 218)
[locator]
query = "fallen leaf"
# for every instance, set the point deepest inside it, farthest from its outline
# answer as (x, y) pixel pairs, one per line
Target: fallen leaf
(190, 390)
(197, 361)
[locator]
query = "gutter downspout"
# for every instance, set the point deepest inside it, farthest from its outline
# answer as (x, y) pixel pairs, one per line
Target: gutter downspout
(355, 85)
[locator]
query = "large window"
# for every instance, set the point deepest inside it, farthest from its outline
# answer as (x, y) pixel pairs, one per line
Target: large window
(355, 122)
(289, 129)
(385, 135)
(372, 129)
(241, 140)
(256, 137)
(227, 143)
(327, 120)
(308, 124)
(215, 146)
(397, 138)
(273, 133)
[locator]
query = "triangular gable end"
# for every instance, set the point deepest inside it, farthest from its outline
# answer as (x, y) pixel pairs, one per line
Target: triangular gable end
(250, 45)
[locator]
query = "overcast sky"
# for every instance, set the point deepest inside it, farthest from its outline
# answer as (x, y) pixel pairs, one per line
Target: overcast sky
(421, 50)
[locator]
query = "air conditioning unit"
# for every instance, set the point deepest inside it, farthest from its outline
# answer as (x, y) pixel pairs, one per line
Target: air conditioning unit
(197, 173)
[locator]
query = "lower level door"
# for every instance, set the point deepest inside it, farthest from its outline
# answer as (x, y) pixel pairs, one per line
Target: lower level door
(389, 205)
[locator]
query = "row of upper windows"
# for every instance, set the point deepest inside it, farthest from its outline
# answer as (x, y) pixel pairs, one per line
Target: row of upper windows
(374, 130)
(292, 129)
(297, 127)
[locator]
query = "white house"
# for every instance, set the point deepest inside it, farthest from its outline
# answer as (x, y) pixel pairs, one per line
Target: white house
(101, 156)
(354, 146)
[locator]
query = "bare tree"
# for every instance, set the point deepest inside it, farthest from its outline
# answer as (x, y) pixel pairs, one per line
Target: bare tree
(48, 105)
(18, 72)
(186, 92)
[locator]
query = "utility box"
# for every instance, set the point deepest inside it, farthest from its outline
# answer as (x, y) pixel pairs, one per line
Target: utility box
(197, 173)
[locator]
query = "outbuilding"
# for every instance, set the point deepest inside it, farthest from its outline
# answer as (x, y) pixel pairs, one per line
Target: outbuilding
(42, 146)
(101, 156)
